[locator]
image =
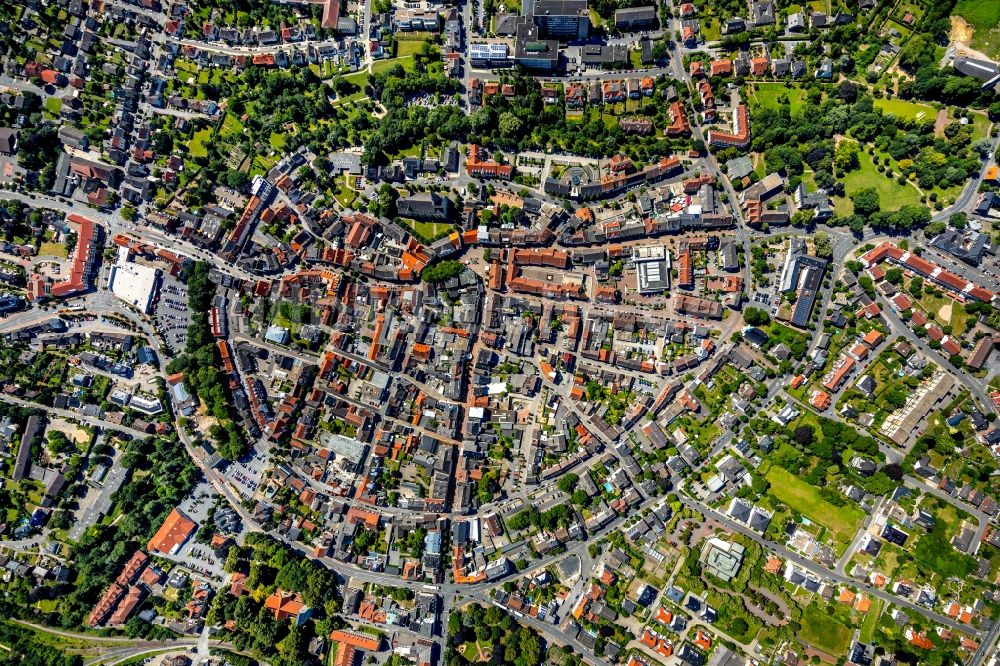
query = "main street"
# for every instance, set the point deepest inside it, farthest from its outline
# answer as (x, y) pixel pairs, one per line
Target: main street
(114, 223)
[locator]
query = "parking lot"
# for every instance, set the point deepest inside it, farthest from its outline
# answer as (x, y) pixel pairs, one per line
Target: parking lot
(245, 474)
(767, 299)
(170, 311)
(199, 558)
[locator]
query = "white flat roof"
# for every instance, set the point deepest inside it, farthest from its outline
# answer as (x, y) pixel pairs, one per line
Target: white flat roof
(133, 283)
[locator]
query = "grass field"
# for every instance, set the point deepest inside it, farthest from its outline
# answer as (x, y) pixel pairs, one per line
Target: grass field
(197, 145)
(907, 110)
(407, 61)
(841, 521)
(985, 18)
(408, 47)
(891, 194)
(52, 250)
(430, 229)
(767, 95)
(824, 631)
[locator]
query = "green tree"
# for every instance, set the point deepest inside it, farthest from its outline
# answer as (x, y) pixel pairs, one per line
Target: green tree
(866, 202)
(756, 317)
(442, 271)
(568, 483)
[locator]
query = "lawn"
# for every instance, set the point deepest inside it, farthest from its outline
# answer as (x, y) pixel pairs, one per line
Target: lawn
(197, 144)
(768, 94)
(406, 61)
(842, 521)
(408, 47)
(711, 29)
(980, 126)
(345, 194)
(53, 105)
(892, 195)
(261, 165)
(359, 79)
(984, 17)
(907, 110)
(277, 140)
(52, 250)
(430, 230)
(824, 631)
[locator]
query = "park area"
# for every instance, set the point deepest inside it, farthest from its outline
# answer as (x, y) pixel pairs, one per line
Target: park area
(892, 195)
(907, 110)
(476, 651)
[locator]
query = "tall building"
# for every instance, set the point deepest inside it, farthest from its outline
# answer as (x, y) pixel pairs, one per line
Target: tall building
(564, 19)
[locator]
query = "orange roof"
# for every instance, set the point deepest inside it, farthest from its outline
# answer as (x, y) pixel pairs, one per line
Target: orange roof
(356, 640)
(920, 640)
(820, 400)
(862, 604)
(840, 374)
(284, 604)
(874, 338)
(370, 519)
(174, 531)
(846, 596)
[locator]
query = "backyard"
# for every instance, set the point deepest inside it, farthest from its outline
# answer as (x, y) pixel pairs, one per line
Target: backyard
(824, 631)
(197, 145)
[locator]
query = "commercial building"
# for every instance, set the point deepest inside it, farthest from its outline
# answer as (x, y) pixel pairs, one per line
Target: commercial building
(564, 19)
(652, 268)
(984, 70)
(635, 18)
(173, 534)
(604, 55)
(81, 265)
(533, 52)
(493, 53)
(133, 283)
